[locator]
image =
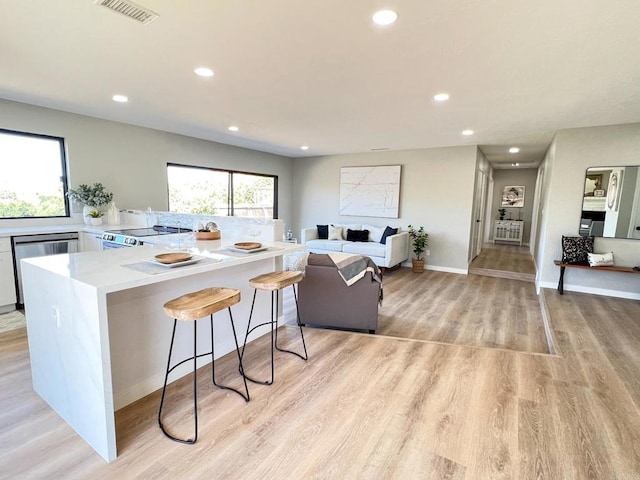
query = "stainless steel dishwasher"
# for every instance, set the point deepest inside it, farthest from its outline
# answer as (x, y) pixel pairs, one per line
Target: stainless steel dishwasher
(29, 246)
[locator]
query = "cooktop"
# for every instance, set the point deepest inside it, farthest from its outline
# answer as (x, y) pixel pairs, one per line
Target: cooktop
(147, 232)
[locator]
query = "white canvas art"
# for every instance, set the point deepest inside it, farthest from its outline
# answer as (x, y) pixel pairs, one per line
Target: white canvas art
(370, 191)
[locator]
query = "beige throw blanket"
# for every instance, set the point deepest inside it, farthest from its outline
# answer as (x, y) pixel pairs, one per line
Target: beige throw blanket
(353, 267)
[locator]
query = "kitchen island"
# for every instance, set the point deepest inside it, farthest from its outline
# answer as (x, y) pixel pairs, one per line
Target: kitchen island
(98, 335)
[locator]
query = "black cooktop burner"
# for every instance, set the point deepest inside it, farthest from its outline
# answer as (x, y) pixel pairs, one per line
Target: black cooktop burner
(147, 232)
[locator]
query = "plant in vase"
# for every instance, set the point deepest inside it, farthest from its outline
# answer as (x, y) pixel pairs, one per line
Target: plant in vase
(502, 212)
(92, 197)
(95, 217)
(420, 241)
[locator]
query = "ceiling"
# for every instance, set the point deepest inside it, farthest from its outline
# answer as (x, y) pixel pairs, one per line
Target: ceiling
(320, 73)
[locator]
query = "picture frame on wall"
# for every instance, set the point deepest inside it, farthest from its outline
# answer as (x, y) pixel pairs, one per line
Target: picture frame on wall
(512, 196)
(372, 191)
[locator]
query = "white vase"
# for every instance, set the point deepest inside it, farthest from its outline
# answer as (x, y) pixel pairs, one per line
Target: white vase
(96, 221)
(85, 214)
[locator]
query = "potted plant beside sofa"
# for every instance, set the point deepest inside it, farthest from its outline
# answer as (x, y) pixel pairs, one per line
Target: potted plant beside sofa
(419, 242)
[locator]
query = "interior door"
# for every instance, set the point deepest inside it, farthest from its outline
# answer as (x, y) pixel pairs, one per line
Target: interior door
(479, 203)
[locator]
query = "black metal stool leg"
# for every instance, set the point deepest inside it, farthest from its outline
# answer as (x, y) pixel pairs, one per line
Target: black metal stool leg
(304, 345)
(213, 361)
(249, 330)
(195, 391)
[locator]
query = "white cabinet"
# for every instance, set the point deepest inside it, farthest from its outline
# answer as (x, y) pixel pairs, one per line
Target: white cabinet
(90, 242)
(508, 231)
(7, 278)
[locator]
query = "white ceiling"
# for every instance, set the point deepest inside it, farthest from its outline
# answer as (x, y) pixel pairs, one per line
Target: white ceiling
(318, 72)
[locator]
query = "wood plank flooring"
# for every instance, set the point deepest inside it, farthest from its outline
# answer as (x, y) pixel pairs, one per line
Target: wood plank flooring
(370, 407)
(471, 310)
(504, 261)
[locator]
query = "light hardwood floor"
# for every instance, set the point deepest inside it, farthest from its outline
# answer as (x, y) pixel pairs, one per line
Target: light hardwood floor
(372, 407)
(481, 311)
(504, 261)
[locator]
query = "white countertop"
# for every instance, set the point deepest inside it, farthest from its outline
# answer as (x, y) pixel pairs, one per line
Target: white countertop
(104, 270)
(76, 227)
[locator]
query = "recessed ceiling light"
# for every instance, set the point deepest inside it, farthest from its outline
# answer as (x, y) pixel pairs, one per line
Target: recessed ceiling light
(467, 132)
(233, 128)
(204, 72)
(120, 98)
(514, 150)
(384, 17)
(441, 97)
(304, 147)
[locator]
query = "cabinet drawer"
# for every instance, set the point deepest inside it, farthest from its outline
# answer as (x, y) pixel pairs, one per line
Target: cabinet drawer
(5, 244)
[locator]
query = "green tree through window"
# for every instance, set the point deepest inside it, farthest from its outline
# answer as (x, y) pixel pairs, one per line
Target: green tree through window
(33, 179)
(221, 192)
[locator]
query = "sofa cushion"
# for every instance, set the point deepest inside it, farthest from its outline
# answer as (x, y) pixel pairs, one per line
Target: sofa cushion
(323, 232)
(387, 233)
(369, 249)
(335, 233)
(375, 233)
(330, 245)
(357, 235)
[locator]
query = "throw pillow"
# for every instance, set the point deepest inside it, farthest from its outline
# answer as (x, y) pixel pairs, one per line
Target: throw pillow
(600, 259)
(576, 249)
(387, 233)
(335, 233)
(357, 235)
(323, 231)
(375, 233)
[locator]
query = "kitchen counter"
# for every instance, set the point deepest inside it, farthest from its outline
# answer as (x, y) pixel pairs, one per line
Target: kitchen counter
(98, 335)
(76, 227)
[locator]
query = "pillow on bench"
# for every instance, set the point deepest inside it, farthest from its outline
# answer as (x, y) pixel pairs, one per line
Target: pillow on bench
(600, 259)
(576, 249)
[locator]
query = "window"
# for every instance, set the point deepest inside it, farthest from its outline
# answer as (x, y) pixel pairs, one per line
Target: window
(222, 192)
(34, 178)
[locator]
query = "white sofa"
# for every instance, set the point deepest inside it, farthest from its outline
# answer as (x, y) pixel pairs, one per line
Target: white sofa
(394, 252)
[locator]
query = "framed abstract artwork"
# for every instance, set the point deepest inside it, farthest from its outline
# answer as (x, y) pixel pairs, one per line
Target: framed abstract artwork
(512, 196)
(370, 191)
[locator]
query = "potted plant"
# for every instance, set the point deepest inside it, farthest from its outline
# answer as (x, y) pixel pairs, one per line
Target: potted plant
(420, 241)
(502, 212)
(92, 197)
(95, 217)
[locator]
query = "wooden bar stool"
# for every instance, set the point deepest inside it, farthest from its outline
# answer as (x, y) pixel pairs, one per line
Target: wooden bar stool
(191, 307)
(274, 282)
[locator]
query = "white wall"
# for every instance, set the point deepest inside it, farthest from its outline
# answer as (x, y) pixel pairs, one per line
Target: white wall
(569, 156)
(132, 161)
(527, 178)
(436, 192)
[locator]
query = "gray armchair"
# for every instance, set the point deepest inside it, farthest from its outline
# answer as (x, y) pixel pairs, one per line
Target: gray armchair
(324, 299)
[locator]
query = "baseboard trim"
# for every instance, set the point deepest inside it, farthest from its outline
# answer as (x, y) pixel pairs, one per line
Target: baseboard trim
(437, 268)
(590, 290)
(548, 331)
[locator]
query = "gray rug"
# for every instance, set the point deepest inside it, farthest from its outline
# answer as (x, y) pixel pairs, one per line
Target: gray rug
(11, 321)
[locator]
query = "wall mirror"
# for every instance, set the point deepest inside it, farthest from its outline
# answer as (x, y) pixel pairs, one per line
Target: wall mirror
(611, 202)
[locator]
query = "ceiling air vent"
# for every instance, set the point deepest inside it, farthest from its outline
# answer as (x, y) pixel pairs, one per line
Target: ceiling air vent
(129, 9)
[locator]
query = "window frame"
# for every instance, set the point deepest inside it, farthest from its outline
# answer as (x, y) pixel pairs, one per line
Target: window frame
(230, 199)
(64, 179)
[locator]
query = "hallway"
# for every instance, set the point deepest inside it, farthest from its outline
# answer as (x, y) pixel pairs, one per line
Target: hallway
(504, 261)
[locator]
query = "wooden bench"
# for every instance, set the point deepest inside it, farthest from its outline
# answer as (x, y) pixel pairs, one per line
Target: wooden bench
(612, 268)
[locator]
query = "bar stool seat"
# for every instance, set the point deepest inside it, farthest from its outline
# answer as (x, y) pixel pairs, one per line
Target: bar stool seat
(274, 282)
(191, 307)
